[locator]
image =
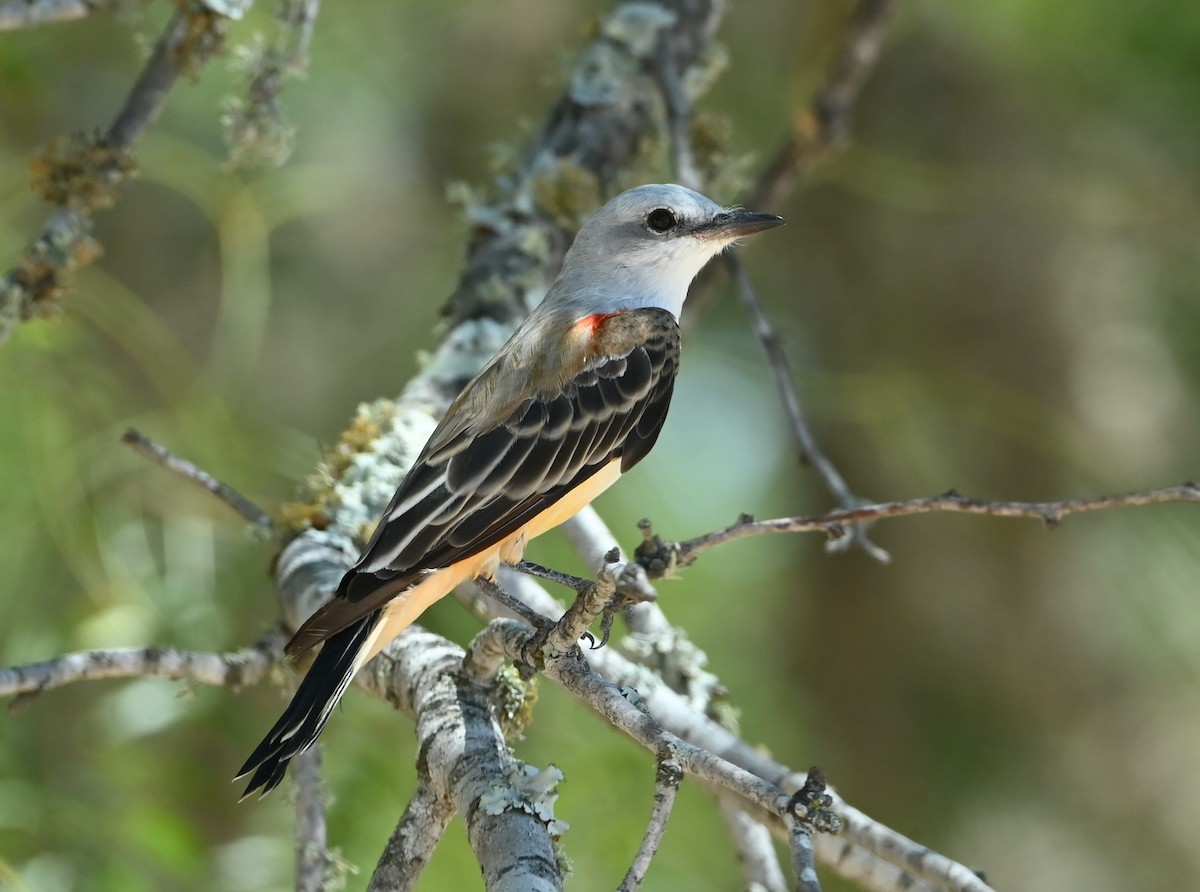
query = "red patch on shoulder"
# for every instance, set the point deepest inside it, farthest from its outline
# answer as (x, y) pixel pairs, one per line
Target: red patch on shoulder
(589, 326)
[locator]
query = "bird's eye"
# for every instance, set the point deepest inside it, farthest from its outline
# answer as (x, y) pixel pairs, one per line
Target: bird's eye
(660, 220)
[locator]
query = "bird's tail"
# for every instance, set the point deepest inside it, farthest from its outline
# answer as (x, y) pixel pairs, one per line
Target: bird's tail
(298, 727)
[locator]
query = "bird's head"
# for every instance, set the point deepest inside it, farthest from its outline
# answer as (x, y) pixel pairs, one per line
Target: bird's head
(645, 246)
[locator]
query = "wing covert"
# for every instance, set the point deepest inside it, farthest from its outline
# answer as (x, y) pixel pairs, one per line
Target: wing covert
(482, 486)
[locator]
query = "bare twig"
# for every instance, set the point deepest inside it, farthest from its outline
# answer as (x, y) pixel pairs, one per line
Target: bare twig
(666, 785)
(834, 523)
(756, 851)
(65, 241)
(312, 854)
(231, 670)
(412, 843)
(826, 121)
(810, 452)
(155, 451)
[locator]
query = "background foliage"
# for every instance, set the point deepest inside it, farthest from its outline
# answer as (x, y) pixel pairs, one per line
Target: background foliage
(994, 289)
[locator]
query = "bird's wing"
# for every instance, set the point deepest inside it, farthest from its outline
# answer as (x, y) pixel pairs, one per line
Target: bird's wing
(472, 490)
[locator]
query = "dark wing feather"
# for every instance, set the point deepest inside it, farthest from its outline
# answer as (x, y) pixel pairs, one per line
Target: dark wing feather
(476, 490)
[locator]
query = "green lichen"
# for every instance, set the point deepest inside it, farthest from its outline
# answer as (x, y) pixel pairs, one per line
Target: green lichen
(568, 193)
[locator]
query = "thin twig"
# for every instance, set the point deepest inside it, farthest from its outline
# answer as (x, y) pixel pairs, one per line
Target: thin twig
(413, 842)
(826, 121)
(312, 853)
(232, 670)
(64, 241)
(834, 523)
(810, 452)
(154, 451)
(666, 785)
(149, 94)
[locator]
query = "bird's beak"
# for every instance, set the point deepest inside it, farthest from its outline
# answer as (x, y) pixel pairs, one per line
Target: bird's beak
(729, 225)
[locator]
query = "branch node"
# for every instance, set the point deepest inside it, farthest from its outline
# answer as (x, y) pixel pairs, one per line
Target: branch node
(813, 806)
(658, 558)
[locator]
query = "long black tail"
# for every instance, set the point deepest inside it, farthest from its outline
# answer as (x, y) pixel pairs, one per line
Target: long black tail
(305, 716)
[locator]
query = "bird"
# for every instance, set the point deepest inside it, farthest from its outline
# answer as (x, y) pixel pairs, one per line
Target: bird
(575, 398)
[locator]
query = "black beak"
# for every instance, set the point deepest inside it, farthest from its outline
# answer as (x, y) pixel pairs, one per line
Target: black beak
(735, 224)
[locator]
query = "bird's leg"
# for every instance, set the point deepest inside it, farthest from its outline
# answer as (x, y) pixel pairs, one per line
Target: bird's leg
(531, 654)
(493, 590)
(578, 583)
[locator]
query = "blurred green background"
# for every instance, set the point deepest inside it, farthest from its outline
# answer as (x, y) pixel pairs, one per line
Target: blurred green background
(994, 289)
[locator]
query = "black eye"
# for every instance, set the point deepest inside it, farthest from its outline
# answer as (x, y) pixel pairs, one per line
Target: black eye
(660, 220)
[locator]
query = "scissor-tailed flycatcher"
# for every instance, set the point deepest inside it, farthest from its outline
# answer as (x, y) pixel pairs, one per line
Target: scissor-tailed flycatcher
(575, 398)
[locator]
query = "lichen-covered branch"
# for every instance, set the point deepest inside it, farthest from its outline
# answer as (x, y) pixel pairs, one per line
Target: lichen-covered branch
(85, 174)
(312, 855)
(507, 806)
(411, 844)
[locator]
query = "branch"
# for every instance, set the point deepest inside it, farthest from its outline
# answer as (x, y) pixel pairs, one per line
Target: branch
(870, 853)
(507, 807)
(412, 843)
(826, 122)
(312, 854)
(824, 127)
(803, 859)
(756, 851)
(810, 452)
(666, 785)
(84, 175)
(160, 454)
(834, 523)
(231, 670)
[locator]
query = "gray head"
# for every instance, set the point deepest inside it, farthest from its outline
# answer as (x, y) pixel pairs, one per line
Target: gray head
(645, 246)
